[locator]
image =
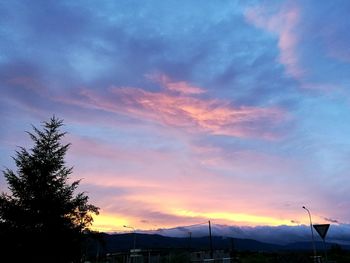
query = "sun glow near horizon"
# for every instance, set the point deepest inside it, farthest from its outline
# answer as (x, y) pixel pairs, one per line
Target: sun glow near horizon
(236, 218)
(109, 223)
(106, 222)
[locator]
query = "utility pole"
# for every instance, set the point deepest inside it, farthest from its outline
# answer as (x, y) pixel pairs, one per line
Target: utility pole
(190, 241)
(211, 242)
(134, 245)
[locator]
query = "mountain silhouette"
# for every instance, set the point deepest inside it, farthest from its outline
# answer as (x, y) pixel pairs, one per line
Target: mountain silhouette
(111, 243)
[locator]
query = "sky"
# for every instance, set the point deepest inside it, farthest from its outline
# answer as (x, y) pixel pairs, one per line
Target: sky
(180, 112)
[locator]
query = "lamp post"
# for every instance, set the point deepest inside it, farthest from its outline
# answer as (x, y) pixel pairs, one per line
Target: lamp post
(312, 233)
(133, 232)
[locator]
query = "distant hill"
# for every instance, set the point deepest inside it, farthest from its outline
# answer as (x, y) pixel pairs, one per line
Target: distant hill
(125, 241)
(111, 243)
(282, 235)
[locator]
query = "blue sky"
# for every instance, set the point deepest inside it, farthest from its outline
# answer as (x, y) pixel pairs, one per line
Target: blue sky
(180, 111)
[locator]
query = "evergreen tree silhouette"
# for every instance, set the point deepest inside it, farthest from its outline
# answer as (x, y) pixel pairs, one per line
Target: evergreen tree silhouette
(42, 219)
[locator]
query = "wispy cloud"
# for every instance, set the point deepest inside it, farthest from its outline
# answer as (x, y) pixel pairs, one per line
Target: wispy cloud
(177, 86)
(331, 220)
(284, 24)
(213, 116)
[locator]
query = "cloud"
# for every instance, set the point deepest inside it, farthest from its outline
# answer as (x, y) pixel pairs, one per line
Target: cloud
(311, 41)
(284, 24)
(99, 46)
(178, 86)
(213, 116)
(331, 36)
(331, 220)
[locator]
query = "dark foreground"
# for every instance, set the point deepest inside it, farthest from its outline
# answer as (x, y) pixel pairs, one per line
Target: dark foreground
(139, 248)
(240, 257)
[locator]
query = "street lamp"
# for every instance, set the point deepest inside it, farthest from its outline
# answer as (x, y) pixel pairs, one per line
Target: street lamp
(133, 232)
(312, 233)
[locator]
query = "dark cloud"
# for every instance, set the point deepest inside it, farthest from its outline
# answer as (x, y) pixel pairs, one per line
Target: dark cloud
(76, 45)
(331, 220)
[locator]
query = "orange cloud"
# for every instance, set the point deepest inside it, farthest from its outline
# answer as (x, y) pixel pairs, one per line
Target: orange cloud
(171, 201)
(178, 86)
(213, 116)
(166, 196)
(193, 114)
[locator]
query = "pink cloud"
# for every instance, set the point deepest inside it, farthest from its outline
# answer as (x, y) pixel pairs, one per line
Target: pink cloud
(283, 24)
(171, 196)
(167, 187)
(100, 149)
(28, 83)
(177, 86)
(193, 114)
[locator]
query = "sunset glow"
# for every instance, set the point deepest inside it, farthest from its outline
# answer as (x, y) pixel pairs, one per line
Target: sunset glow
(177, 114)
(241, 219)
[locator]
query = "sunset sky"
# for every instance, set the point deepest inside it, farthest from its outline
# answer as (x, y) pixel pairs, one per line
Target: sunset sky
(183, 111)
